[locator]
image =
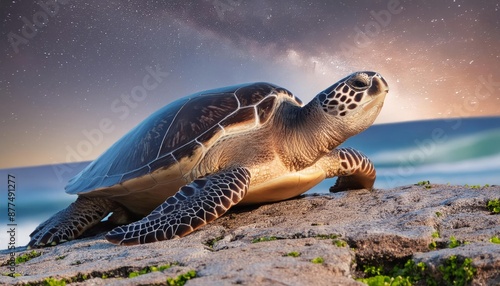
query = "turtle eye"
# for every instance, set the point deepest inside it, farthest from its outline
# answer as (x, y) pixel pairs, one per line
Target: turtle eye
(359, 81)
(359, 84)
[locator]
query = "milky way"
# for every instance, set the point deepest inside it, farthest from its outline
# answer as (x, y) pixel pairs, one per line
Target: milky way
(78, 72)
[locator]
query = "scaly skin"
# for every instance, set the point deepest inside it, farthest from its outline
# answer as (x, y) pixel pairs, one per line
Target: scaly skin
(71, 222)
(192, 207)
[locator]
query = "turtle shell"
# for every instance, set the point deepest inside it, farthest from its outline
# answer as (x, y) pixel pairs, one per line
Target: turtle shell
(176, 130)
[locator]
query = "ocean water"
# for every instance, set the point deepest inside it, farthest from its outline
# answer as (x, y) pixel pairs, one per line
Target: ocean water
(455, 151)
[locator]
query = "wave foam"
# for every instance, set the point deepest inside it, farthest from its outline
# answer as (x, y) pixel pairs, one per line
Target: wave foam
(426, 151)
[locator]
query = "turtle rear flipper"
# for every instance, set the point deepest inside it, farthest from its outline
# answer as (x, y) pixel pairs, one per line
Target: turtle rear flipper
(71, 222)
(193, 206)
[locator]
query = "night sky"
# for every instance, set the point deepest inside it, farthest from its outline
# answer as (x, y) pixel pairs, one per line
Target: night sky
(107, 64)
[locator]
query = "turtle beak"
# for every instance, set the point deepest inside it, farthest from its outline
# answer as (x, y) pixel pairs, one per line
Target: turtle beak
(377, 91)
(378, 85)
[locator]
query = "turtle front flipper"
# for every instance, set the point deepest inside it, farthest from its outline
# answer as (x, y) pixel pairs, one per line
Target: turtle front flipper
(193, 206)
(71, 222)
(353, 169)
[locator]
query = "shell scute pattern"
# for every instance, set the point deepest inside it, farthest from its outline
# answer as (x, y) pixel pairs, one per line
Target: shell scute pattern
(131, 154)
(196, 116)
(165, 161)
(138, 172)
(177, 131)
(209, 134)
(249, 95)
(246, 114)
(251, 104)
(186, 151)
(264, 109)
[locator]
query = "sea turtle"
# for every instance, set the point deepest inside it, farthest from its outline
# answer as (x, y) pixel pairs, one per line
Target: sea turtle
(192, 160)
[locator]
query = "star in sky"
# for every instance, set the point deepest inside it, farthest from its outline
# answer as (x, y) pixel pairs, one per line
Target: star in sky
(64, 64)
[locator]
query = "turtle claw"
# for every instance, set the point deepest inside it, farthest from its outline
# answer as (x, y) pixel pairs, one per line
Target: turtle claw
(70, 223)
(44, 238)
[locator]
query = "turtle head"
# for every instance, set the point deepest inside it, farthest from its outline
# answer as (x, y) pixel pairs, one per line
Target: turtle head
(355, 101)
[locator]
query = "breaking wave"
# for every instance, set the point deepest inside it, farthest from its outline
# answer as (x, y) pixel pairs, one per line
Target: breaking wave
(475, 149)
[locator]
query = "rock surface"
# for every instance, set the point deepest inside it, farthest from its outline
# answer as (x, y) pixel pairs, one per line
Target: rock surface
(381, 227)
